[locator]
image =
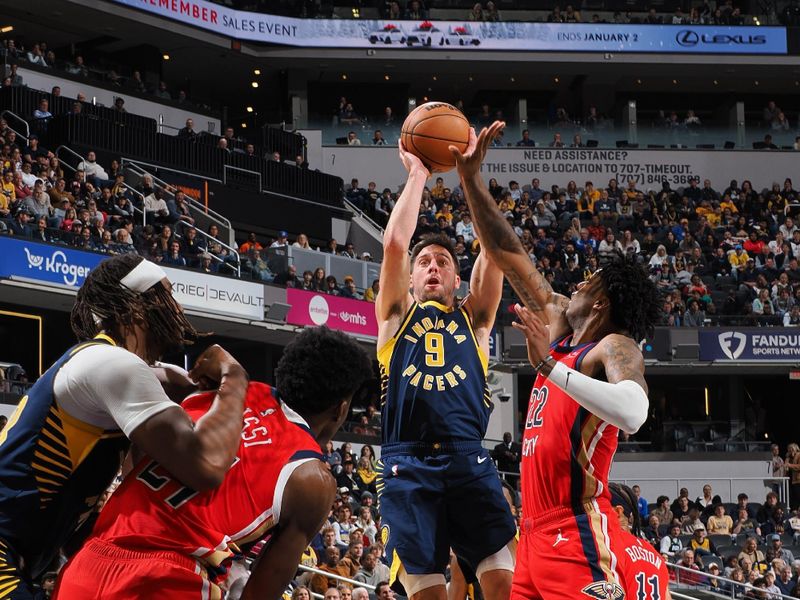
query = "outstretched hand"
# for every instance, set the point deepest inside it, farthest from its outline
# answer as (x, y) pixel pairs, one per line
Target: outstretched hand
(411, 162)
(469, 162)
(537, 334)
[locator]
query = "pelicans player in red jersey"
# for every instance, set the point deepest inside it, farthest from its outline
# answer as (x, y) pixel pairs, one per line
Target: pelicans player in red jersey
(159, 539)
(590, 384)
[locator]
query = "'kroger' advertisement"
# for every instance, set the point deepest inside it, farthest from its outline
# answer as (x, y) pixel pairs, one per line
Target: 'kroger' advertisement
(42, 262)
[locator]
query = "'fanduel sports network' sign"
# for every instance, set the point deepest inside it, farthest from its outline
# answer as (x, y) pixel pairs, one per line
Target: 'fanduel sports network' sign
(464, 35)
(765, 343)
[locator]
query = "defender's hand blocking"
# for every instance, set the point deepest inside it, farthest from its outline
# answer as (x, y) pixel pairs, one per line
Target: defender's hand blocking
(537, 334)
(411, 162)
(212, 365)
(469, 163)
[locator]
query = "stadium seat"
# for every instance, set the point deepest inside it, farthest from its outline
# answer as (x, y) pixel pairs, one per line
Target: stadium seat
(729, 145)
(685, 539)
(592, 143)
(787, 539)
(731, 509)
(720, 540)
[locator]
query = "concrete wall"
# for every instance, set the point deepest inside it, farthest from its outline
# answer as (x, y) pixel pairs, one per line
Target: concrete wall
(661, 475)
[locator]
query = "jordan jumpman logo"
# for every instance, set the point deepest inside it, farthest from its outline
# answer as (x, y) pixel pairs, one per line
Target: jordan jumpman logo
(560, 539)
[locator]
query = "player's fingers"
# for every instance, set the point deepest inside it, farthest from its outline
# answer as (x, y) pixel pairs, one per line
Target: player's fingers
(456, 154)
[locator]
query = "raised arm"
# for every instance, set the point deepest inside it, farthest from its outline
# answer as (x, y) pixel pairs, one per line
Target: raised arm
(307, 500)
(199, 454)
(621, 401)
(394, 298)
(498, 239)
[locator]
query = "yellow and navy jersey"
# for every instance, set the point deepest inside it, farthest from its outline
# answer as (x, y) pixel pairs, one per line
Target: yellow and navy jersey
(433, 378)
(53, 469)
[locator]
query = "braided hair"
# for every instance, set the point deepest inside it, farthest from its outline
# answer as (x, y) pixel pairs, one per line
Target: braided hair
(622, 495)
(634, 299)
(105, 304)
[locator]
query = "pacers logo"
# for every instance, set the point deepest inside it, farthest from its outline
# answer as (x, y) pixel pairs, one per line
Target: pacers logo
(385, 535)
(604, 590)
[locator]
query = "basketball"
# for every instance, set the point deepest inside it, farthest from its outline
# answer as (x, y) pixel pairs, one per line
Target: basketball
(430, 129)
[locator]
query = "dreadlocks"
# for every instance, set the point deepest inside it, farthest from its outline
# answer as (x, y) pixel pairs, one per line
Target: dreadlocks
(105, 304)
(635, 305)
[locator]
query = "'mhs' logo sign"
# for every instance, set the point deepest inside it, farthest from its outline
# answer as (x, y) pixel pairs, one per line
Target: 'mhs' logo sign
(732, 344)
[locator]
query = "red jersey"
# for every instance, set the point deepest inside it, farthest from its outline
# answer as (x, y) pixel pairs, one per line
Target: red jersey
(566, 450)
(151, 511)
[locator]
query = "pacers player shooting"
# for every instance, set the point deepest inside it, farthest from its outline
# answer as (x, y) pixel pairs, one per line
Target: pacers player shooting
(438, 487)
(590, 384)
(65, 442)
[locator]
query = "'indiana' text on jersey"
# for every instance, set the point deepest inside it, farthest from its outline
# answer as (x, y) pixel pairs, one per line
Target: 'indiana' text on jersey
(433, 378)
(53, 470)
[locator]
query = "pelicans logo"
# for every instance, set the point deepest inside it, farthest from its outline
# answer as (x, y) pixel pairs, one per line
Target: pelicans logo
(604, 590)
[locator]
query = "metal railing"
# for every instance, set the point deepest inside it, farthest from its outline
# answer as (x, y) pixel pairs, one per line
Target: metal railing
(242, 180)
(352, 582)
(128, 188)
(700, 580)
(783, 483)
(138, 167)
(363, 215)
(7, 113)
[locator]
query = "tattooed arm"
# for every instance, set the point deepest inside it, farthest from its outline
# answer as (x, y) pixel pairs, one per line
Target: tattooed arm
(500, 242)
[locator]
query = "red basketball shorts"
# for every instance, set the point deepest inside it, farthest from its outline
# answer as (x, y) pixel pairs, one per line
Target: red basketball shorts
(101, 571)
(564, 555)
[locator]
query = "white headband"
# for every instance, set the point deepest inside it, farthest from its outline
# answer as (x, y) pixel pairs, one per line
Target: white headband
(144, 276)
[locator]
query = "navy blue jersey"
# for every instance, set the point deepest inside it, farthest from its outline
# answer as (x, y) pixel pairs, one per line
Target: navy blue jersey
(53, 469)
(433, 378)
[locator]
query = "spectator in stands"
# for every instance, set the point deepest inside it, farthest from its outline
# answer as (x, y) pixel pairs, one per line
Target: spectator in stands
(719, 522)
(319, 282)
(155, 207)
(752, 555)
(346, 479)
(174, 258)
(321, 584)
(162, 91)
(282, 241)
(188, 130)
(641, 503)
(179, 211)
(352, 560)
(36, 56)
(288, 277)
(651, 531)
(792, 464)
(746, 524)
(21, 226)
(692, 521)
(776, 545)
(688, 562)
(207, 264)
(701, 544)
(671, 543)
(352, 139)
(377, 138)
(260, 269)
(372, 292)
(507, 455)
(94, 172)
(785, 582)
(662, 510)
(365, 476)
(222, 144)
(776, 523)
(526, 139)
(349, 290)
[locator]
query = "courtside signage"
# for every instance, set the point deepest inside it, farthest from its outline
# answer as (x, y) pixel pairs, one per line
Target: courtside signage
(213, 294)
(46, 263)
(464, 35)
(345, 314)
(762, 344)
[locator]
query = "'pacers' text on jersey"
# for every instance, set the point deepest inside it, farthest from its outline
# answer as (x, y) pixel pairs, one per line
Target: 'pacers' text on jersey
(433, 378)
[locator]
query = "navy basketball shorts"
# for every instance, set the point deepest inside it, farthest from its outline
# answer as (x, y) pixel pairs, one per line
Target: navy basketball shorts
(13, 586)
(433, 497)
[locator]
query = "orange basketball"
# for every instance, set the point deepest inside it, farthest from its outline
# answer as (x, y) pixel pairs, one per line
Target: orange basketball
(430, 129)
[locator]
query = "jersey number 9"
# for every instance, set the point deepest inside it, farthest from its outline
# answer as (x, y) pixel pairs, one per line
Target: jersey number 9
(434, 347)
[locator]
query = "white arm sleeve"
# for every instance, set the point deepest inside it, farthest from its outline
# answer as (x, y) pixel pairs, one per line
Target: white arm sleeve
(622, 404)
(109, 387)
